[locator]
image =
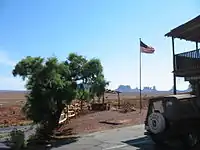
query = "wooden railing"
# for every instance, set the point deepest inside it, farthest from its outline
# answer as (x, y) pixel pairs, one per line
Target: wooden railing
(190, 54)
(187, 61)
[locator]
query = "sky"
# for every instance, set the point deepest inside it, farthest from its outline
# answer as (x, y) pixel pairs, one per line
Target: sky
(104, 29)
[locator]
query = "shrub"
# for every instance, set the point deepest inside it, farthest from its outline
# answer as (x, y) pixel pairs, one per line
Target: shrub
(17, 139)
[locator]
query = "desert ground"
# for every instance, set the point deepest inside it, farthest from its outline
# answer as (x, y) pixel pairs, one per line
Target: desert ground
(11, 103)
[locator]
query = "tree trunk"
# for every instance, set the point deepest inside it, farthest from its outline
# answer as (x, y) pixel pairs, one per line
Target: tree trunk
(103, 98)
(99, 99)
(53, 121)
(81, 105)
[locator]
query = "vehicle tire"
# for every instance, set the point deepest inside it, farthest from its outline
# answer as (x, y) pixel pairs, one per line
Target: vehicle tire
(156, 122)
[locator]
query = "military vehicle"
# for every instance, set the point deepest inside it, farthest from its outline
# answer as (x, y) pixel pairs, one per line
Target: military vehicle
(177, 116)
(174, 117)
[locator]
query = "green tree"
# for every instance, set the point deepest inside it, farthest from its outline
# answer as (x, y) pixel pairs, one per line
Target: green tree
(98, 87)
(53, 84)
(86, 72)
(82, 94)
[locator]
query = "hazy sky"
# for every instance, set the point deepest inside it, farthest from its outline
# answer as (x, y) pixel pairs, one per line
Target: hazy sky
(105, 29)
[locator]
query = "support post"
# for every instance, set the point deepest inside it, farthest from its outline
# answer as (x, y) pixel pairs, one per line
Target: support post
(67, 113)
(140, 80)
(174, 66)
(197, 49)
(197, 82)
(118, 97)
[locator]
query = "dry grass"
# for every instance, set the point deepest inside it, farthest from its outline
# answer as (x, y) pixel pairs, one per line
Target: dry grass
(18, 98)
(132, 99)
(12, 98)
(10, 108)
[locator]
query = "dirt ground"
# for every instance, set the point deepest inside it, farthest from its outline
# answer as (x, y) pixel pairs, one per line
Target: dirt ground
(11, 103)
(104, 120)
(12, 115)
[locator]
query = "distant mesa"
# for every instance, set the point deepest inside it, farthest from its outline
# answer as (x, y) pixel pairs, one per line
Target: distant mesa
(126, 89)
(146, 90)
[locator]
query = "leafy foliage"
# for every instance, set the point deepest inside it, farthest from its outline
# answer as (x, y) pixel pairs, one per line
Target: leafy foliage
(17, 139)
(53, 84)
(98, 87)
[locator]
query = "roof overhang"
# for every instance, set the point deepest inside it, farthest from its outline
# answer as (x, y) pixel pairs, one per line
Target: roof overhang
(189, 31)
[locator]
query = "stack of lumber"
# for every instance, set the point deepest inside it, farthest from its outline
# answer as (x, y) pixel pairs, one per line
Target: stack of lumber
(127, 107)
(70, 111)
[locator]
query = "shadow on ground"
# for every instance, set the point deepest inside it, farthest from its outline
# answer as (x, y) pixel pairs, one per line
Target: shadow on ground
(53, 143)
(110, 123)
(65, 132)
(57, 142)
(145, 143)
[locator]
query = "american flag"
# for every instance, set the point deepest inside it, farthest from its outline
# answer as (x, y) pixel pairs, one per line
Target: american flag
(146, 49)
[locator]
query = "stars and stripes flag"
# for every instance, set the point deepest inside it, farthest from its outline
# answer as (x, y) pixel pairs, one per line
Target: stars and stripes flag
(146, 49)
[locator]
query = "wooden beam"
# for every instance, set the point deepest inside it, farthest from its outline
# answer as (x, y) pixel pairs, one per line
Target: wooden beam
(197, 48)
(189, 24)
(190, 31)
(187, 73)
(118, 97)
(192, 36)
(174, 64)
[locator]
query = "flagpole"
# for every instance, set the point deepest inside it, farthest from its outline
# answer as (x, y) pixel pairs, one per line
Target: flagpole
(140, 81)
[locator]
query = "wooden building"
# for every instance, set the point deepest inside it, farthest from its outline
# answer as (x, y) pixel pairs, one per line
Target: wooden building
(186, 64)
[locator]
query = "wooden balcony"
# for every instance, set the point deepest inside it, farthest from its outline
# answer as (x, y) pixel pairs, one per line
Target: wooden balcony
(187, 64)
